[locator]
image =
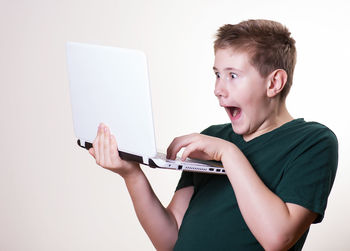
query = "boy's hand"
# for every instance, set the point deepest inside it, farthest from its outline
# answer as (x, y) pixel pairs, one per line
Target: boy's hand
(198, 146)
(105, 151)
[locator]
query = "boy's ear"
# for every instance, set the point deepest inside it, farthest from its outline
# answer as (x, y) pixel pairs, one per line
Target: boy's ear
(277, 81)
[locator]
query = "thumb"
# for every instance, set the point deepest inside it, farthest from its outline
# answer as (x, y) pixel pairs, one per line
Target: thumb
(92, 152)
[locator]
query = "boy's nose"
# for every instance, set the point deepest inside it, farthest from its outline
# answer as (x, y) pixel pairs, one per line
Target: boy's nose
(220, 91)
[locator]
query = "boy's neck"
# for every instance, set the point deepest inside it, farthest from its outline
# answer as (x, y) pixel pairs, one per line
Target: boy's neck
(282, 115)
(277, 118)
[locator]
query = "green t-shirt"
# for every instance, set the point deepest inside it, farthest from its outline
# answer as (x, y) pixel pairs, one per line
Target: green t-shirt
(296, 161)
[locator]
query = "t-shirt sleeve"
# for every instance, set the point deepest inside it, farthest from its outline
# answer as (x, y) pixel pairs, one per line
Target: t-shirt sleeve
(309, 177)
(186, 180)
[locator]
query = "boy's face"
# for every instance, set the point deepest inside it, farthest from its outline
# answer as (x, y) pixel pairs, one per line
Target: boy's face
(241, 91)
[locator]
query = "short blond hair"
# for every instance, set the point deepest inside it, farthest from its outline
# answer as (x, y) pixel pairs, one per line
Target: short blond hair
(268, 43)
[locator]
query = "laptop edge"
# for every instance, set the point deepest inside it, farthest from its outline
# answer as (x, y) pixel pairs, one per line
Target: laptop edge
(192, 166)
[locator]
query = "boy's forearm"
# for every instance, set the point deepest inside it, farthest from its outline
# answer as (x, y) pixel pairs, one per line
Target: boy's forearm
(157, 222)
(267, 216)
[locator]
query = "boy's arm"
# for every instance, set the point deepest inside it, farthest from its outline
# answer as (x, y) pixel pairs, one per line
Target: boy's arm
(161, 224)
(275, 224)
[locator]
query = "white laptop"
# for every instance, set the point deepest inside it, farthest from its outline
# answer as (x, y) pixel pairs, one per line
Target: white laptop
(111, 85)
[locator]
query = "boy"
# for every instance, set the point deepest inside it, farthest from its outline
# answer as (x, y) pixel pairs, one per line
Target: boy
(279, 170)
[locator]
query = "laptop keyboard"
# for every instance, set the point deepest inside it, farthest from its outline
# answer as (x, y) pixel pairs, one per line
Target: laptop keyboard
(163, 157)
(179, 161)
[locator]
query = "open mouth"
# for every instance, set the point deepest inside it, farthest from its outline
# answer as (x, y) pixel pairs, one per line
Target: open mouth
(234, 112)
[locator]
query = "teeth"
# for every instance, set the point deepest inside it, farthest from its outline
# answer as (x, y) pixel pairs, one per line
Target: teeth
(235, 111)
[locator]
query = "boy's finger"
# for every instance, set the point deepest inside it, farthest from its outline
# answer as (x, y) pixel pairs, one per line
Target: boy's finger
(92, 152)
(96, 146)
(188, 150)
(106, 145)
(177, 144)
(101, 144)
(114, 148)
(173, 148)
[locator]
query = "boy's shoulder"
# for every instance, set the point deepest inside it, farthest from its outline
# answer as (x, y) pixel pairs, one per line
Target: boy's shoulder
(309, 128)
(304, 134)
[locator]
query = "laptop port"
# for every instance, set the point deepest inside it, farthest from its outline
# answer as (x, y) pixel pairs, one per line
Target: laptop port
(179, 167)
(211, 169)
(218, 170)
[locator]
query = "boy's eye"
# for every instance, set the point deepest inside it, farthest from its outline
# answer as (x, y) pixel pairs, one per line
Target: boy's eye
(233, 75)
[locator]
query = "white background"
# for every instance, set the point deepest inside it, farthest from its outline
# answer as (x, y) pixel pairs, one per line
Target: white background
(52, 194)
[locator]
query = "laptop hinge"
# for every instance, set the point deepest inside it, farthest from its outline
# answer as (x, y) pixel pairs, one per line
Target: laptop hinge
(145, 160)
(152, 163)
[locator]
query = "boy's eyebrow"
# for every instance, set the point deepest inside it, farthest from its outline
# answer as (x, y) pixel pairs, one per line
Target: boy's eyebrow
(227, 69)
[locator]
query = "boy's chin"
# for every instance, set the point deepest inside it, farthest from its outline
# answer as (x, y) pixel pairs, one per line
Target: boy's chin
(240, 128)
(237, 129)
